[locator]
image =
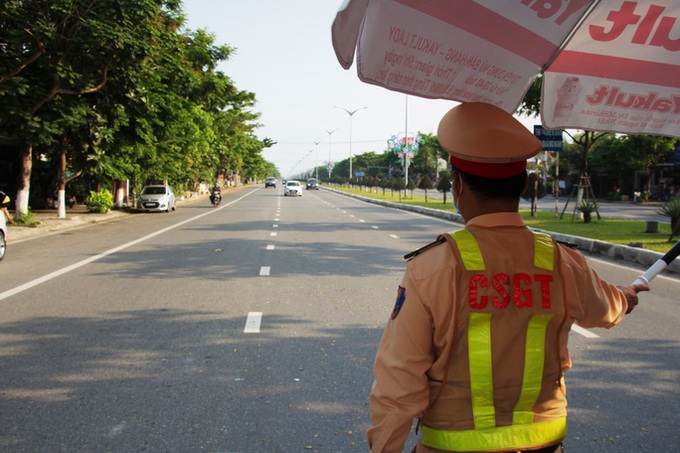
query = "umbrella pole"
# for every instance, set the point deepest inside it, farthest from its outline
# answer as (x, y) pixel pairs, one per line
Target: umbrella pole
(557, 185)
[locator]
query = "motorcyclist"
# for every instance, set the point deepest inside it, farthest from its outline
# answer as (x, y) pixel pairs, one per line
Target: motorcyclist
(216, 194)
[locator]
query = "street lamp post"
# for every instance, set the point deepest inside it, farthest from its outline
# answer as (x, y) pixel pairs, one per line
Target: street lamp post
(329, 151)
(316, 159)
(350, 134)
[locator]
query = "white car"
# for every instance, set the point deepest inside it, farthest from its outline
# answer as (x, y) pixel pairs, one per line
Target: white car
(292, 188)
(156, 198)
(3, 236)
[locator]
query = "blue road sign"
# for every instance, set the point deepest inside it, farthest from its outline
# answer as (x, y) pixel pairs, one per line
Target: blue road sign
(551, 139)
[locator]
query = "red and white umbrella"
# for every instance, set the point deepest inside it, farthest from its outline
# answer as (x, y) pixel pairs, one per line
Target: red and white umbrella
(609, 65)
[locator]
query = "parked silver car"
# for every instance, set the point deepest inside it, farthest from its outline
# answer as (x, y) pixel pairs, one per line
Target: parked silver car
(156, 198)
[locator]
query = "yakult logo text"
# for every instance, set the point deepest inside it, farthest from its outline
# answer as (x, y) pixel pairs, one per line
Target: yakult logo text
(616, 97)
(651, 27)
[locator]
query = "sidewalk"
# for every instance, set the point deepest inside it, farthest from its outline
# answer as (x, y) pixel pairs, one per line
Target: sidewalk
(48, 221)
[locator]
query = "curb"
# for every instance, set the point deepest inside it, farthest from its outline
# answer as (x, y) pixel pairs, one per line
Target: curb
(594, 247)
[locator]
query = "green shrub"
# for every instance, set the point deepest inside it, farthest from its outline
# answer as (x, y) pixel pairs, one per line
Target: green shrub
(672, 210)
(614, 196)
(587, 207)
(25, 219)
(101, 201)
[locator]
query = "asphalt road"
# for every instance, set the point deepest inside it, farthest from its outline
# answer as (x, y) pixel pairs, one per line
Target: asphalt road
(252, 327)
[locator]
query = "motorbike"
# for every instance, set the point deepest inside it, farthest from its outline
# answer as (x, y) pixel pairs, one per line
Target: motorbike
(216, 198)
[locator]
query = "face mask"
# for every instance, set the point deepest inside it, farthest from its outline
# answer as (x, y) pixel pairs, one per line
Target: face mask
(455, 199)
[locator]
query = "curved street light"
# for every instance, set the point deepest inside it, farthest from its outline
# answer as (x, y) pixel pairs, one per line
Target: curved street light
(316, 160)
(329, 151)
(351, 114)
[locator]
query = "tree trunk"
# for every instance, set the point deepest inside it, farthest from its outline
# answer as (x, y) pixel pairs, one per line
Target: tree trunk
(119, 201)
(61, 191)
(675, 228)
(26, 166)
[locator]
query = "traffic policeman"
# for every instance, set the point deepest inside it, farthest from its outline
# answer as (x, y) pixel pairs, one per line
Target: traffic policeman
(476, 345)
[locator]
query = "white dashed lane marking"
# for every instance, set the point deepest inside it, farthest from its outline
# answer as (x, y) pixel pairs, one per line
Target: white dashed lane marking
(265, 270)
(270, 247)
(253, 322)
(586, 333)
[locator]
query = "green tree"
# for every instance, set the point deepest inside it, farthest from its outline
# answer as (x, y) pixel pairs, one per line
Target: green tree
(66, 48)
(425, 184)
(648, 151)
(114, 89)
(444, 185)
(428, 152)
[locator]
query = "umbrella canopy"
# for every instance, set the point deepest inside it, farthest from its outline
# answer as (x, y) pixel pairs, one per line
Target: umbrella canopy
(609, 65)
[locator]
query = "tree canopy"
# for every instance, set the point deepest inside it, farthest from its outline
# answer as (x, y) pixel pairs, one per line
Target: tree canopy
(121, 90)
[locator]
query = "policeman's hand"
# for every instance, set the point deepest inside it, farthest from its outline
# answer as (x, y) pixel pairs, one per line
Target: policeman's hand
(631, 294)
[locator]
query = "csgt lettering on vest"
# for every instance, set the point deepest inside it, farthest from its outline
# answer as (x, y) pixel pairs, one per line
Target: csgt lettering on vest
(501, 289)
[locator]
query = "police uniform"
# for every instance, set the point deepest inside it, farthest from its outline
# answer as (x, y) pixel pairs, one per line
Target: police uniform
(476, 345)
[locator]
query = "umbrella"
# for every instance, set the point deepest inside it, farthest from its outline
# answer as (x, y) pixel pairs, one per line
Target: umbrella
(609, 65)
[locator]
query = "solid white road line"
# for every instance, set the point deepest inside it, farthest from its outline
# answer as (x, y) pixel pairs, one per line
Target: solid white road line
(253, 322)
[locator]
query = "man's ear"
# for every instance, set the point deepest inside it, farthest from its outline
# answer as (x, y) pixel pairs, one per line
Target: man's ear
(457, 185)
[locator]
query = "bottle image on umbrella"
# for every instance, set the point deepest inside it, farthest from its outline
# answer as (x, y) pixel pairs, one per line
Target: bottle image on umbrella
(567, 96)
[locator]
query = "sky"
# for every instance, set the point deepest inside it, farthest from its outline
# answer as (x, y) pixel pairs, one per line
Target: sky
(285, 56)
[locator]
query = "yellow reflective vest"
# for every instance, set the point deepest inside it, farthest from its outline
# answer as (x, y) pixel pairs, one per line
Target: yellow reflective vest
(476, 347)
(508, 335)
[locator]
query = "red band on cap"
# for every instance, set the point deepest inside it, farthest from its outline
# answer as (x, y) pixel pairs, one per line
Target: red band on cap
(487, 170)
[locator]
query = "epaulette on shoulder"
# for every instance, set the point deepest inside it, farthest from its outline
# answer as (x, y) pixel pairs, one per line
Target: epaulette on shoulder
(571, 245)
(418, 251)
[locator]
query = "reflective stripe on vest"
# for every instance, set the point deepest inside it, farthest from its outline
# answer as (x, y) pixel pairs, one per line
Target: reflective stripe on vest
(544, 251)
(523, 432)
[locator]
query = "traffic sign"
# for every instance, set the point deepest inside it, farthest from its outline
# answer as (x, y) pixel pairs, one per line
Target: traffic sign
(551, 139)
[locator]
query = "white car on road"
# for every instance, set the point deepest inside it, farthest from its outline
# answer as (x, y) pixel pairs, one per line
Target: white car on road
(292, 188)
(156, 198)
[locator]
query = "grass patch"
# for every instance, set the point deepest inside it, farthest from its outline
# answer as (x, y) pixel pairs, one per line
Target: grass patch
(615, 231)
